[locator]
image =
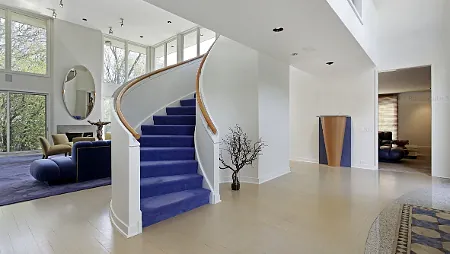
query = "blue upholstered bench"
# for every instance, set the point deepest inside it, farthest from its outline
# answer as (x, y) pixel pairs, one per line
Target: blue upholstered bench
(89, 160)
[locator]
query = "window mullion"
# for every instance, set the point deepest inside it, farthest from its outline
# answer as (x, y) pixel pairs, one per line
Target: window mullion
(198, 41)
(8, 123)
(126, 61)
(8, 42)
(165, 54)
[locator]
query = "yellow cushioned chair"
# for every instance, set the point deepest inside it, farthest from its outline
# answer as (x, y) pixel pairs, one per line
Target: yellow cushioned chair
(61, 139)
(78, 139)
(49, 150)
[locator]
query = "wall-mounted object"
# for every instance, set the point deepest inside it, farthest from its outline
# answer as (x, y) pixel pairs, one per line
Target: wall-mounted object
(79, 92)
(335, 141)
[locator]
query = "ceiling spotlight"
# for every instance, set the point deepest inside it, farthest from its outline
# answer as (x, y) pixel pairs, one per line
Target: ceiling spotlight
(172, 46)
(110, 30)
(61, 4)
(169, 22)
(121, 22)
(201, 34)
(54, 13)
(294, 54)
(141, 36)
(329, 63)
(84, 19)
(278, 29)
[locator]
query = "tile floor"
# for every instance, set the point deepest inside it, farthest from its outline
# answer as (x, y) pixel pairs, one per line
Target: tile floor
(314, 209)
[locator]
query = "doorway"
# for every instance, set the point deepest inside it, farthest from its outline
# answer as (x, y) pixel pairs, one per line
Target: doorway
(23, 118)
(404, 120)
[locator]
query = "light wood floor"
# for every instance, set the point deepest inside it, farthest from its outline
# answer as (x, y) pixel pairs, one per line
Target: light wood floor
(314, 209)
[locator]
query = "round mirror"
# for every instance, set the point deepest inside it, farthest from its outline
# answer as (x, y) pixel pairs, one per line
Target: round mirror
(79, 92)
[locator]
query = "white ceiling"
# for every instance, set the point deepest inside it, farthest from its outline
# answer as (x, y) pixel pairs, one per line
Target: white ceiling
(311, 28)
(405, 80)
(140, 18)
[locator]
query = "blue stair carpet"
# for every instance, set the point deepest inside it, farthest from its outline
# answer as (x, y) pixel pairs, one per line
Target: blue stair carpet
(170, 184)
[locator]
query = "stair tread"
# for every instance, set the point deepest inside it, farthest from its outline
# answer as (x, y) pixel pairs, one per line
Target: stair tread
(167, 148)
(157, 163)
(166, 136)
(182, 107)
(153, 203)
(168, 179)
(171, 125)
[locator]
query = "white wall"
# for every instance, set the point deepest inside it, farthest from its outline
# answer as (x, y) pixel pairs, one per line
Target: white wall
(273, 108)
(414, 117)
(242, 86)
(230, 90)
(75, 45)
(364, 28)
(353, 94)
(440, 94)
(303, 105)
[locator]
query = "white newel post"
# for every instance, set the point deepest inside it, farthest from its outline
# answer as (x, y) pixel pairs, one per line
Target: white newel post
(125, 212)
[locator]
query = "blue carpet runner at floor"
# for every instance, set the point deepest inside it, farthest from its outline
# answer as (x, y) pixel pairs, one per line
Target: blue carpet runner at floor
(170, 184)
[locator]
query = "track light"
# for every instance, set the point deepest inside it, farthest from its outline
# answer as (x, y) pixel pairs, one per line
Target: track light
(121, 22)
(54, 13)
(61, 4)
(110, 30)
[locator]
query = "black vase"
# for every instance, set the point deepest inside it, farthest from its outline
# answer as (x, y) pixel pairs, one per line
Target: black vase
(236, 185)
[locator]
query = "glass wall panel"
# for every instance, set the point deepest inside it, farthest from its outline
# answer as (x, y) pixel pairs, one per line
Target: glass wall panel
(190, 45)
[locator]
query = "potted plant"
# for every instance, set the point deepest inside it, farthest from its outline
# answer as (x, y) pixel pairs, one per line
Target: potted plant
(242, 152)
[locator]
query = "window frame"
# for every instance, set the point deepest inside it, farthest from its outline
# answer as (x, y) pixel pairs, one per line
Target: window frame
(126, 48)
(180, 46)
(356, 11)
(8, 41)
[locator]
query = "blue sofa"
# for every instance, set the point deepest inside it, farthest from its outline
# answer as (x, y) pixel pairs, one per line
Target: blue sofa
(89, 161)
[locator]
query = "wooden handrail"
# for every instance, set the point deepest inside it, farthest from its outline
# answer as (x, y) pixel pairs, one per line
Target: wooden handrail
(199, 97)
(118, 104)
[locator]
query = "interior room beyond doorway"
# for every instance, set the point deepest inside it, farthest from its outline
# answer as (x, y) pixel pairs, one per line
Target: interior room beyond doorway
(404, 120)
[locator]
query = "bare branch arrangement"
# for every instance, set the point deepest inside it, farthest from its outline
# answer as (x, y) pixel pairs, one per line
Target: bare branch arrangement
(242, 152)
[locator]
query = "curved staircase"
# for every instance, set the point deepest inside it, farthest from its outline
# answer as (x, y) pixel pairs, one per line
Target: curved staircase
(170, 184)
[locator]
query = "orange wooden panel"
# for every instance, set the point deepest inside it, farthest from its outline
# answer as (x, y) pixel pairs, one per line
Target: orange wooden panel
(333, 128)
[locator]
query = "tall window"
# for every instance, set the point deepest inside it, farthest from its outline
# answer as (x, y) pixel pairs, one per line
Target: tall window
(387, 114)
(2, 39)
(22, 121)
(190, 45)
(114, 61)
(107, 111)
(28, 44)
(160, 57)
(207, 38)
(172, 52)
(357, 5)
(25, 41)
(137, 61)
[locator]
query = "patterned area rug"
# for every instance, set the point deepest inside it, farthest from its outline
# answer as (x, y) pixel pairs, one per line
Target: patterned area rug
(423, 230)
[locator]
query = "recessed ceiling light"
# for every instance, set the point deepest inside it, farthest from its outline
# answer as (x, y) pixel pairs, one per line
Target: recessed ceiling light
(201, 34)
(278, 29)
(329, 63)
(172, 46)
(294, 54)
(169, 22)
(141, 36)
(84, 19)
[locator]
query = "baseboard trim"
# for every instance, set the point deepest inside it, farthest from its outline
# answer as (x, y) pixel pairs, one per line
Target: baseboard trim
(122, 227)
(272, 176)
(367, 167)
(242, 179)
(214, 198)
(304, 160)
